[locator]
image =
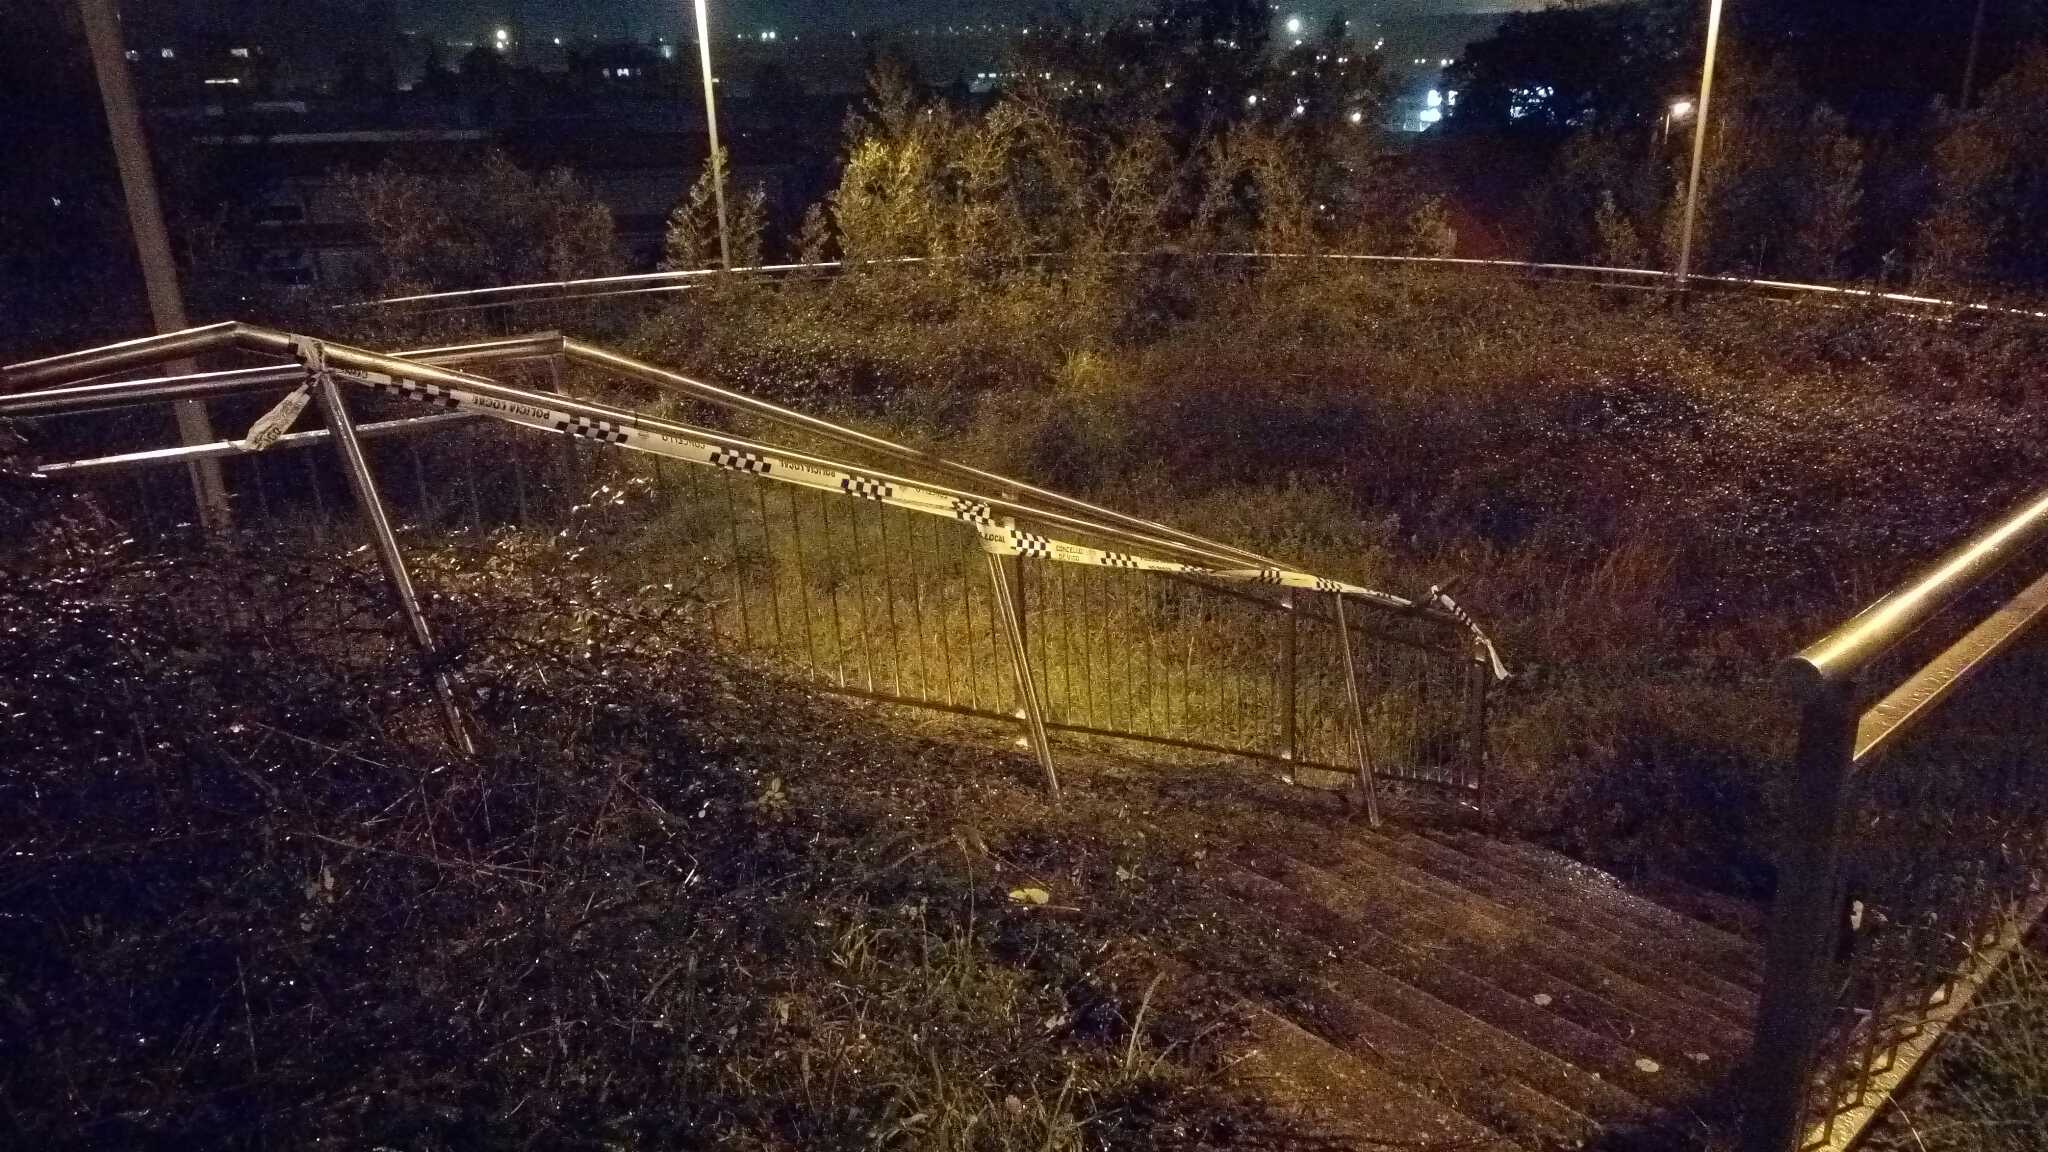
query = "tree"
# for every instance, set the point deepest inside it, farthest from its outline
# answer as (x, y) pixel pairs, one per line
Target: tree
(1990, 219)
(691, 240)
(476, 224)
(1781, 186)
(1572, 67)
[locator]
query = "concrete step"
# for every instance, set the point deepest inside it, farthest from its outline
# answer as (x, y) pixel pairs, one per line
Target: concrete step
(1714, 972)
(1629, 1067)
(1742, 955)
(1507, 951)
(1673, 993)
(1334, 1097)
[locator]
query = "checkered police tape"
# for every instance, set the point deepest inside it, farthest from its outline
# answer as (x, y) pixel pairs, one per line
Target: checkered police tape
(1442, 599)
(999, 539)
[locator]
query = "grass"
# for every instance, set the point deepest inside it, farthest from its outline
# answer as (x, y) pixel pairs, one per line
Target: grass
(253, 902)
(1988, 1089)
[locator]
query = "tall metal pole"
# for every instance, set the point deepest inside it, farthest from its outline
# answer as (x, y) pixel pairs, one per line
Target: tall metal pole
(711, 119)
(1699, 143)
(152, 244)
(1970, 62)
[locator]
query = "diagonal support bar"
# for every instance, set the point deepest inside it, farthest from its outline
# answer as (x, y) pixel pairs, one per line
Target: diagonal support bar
(1358, 752)
(364, 485)
(1020, 660)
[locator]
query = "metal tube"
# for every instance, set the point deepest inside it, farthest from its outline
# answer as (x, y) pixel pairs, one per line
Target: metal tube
(119, 357)
(626, 366)
(711, 122)
(371, 505)
(1805, 920)
(152, 242)
(1027, 685)
(1844, 652)
(161, 456)
(1699, 143)
(1290, 673)
(1364, 763)
(64, 396)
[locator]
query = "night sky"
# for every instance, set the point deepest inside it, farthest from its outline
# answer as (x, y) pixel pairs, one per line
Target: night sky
(639, 18)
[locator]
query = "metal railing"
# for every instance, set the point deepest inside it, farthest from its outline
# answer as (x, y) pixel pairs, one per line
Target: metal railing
(1916, 855)
(1024, 605)
(509, 306)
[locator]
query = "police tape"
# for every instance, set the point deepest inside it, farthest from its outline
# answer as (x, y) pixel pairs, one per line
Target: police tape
(997, 538)
(1442, 599)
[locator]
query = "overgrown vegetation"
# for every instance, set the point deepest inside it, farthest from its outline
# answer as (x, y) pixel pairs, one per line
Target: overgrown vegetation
(1988, 1091)
(251, 900)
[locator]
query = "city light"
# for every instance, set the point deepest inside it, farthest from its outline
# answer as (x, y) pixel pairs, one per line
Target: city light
(502, 38)
(1680, 109)
(1294, 25)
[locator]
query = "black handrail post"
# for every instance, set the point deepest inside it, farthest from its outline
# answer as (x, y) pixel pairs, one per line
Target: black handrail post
(1806, 919)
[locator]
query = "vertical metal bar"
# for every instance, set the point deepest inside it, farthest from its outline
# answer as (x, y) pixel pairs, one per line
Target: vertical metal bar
(476, 512)
(1148, 640)
(319, 499)
(424, 500)
(1290, 674)
(1805, 919)
(913, 561)
(1358, 752)
(861, 596)
(739, 580)
(258, 471)
(1477, 755)
(774, 568)
(364, 485)
(832, 589)
(803, 581)
(889, 598)
(519, 485)
(710, 584)
(945, 615)
(1027, 685)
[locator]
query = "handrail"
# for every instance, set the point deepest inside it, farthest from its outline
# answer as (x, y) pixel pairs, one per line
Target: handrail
(735, 401)
(92, 363)
(645, 282)
(75, 399)
(1840, 655)
(1838, 738)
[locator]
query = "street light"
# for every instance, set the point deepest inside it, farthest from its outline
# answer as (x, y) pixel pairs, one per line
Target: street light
(1699, 144)
(711, 121)
(1678, 110)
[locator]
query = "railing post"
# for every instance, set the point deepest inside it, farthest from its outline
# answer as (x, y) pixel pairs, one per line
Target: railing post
(1020, 660)
(1358, 752)
(1289, 666)
(1806, 920)
(364, 486)
(1479, 672)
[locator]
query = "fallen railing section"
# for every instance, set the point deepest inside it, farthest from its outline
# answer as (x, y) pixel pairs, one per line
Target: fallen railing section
(1915, 858)
(1109, 624)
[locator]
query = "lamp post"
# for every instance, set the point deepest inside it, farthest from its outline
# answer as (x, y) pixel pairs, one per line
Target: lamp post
(1699, 145)
(711, 120)
(152, 245)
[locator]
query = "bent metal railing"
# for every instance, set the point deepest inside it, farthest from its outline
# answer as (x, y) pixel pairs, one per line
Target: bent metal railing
(1076, 618)
(1916, 858)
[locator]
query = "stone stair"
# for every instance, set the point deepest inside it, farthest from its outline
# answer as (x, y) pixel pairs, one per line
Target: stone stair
(1473, 992)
